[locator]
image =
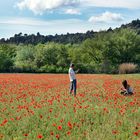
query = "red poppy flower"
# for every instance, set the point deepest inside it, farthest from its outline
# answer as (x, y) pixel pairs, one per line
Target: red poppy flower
(68, 133)
(70, 125)
(136, 133)
(51, 133)
(39, 136)
(57, 136)
(59, 127)
(26, 135)
(41, 116)
(54, 124)
(114, 132)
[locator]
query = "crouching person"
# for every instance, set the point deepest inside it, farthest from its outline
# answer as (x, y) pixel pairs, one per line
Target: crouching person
(127, 89)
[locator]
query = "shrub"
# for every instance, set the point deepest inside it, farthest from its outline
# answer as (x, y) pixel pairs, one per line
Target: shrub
(126, 68)
(48, 69)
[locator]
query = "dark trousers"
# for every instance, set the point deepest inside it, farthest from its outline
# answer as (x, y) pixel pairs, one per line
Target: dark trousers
(73, 86)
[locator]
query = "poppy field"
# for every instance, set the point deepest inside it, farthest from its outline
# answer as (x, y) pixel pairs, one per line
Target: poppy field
(38, 106)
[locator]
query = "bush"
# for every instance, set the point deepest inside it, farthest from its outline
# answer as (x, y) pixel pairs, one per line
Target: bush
(126, 68)
(48, 69)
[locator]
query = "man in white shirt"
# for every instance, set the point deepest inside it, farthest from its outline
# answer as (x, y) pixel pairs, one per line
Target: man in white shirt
(72, 77)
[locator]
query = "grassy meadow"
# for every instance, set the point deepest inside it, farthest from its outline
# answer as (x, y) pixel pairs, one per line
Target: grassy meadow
(38, 106)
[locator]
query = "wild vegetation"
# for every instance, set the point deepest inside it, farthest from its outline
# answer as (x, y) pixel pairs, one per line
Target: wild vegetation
(38, 106)
(92, 52)
(101, 54)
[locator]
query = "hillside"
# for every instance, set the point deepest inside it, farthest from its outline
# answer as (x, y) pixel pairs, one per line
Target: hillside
(65, 39)
(38, 38)
(135, 24)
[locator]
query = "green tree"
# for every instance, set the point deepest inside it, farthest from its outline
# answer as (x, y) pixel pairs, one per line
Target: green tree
(50, 54)
(25, 58)
(7, 54)
(123, 46)
(62, 56)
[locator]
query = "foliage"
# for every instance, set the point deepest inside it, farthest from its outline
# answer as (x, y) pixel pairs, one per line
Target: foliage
(101, 54)
(24, 59)
(7, 54)
(38, 38)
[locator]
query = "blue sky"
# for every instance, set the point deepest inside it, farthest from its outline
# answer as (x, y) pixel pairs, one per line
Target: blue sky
(62, 16)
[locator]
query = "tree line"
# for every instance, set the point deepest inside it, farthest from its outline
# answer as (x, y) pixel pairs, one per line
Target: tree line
(38, 38)
(72, 38)
(101, 54)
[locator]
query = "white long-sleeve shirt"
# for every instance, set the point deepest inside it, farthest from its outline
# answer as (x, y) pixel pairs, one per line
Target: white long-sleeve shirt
(71, 74)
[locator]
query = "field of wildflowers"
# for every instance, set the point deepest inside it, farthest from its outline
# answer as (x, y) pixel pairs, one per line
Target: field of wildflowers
(38, 106)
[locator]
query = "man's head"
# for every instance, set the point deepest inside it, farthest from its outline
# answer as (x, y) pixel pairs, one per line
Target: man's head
(72, 65)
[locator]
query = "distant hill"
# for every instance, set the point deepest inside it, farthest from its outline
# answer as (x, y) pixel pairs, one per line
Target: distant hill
(38, 38)
(135, 24)
(65, 39)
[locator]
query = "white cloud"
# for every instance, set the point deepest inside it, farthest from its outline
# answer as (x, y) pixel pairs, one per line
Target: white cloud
(23, 21)
(39, 6)
(73, 12)
(112, 3)
(106, 18)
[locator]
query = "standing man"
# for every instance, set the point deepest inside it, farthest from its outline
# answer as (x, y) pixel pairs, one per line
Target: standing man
(73, 82)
